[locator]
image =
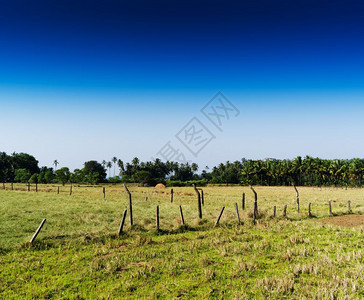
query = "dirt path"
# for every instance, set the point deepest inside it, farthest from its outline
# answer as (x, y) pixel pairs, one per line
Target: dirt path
(346, 221)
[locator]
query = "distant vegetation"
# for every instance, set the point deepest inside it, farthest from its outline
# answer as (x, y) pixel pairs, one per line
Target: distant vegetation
(22, 167)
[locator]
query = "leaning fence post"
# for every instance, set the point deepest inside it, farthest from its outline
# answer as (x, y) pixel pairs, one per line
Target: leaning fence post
(243, 202)
(255, 213)
(298, 199)
(202, 197)
(181, 213)
(122, 223)
(130, 206)
(199, 201)
(104, 192)
(285, 211)
(71, 189)
(274, 210)
(157, 218)
(37, 231)
(237, 212)
(218, 219)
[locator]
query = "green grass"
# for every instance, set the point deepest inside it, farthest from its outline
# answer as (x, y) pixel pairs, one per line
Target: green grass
(294, 257)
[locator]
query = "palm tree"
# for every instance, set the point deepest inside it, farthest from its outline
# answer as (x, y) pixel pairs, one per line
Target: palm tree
(135, 164)
(55, 163)
(109, 165)
(121, 167)
(114, 160)
(356, 170)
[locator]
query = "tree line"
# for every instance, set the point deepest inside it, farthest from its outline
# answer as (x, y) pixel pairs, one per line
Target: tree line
(308, 171)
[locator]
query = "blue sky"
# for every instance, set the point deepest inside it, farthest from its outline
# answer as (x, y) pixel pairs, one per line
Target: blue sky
(93, 80)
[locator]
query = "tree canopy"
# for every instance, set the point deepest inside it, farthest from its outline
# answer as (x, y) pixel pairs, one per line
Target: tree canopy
(308, 171)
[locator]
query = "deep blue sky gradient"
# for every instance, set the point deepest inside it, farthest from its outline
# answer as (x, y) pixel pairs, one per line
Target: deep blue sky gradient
(102, 70)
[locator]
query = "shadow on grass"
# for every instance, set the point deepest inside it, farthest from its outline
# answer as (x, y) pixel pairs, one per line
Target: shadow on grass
(3, 251)
(38, 245)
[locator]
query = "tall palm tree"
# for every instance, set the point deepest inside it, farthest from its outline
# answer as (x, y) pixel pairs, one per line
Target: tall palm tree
(121, 167)
(109, 165)
(55, 163)
(135, 164)
(114, 160)
(309, 168)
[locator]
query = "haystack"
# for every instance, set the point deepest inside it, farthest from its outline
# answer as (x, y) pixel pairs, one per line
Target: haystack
(160, 186)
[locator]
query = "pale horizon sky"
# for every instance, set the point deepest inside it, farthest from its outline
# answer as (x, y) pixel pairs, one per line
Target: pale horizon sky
(278, 124)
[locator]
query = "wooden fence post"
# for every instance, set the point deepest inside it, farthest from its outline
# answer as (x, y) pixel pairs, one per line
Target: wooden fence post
(255, 211)
(218, 219)
(3, 186)
(37, 231)
(58, 190)
(130, 206)
(157, 219)
(285, 211)
(199, 201)
(330, 208)
(274, 211)
(309, 210)
(237, 212)
(349, 207)
(298, 199)
(202, 197)
(181, 213)
(122, 223)
(104, 192)
(12, 186)
(243, 201)
(171, 195)
(71, 189)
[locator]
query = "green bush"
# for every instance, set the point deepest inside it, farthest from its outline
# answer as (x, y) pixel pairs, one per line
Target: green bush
(115, 179)
(22, 175)
(172, 183)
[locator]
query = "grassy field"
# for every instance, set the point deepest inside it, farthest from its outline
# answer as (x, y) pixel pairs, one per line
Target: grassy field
(283, 257)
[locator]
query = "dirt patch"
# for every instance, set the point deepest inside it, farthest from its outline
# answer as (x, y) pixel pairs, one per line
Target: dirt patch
(346, 221)
(186, 194)
(159, 192)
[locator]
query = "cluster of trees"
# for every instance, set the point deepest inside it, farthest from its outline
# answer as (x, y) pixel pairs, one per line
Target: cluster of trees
(92, 172)
(17, 166)
(300, 171)
(303, 172)
(22, 167)
(153, 172)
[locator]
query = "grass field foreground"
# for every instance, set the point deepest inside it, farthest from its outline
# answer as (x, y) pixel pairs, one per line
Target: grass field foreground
(294, 256)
